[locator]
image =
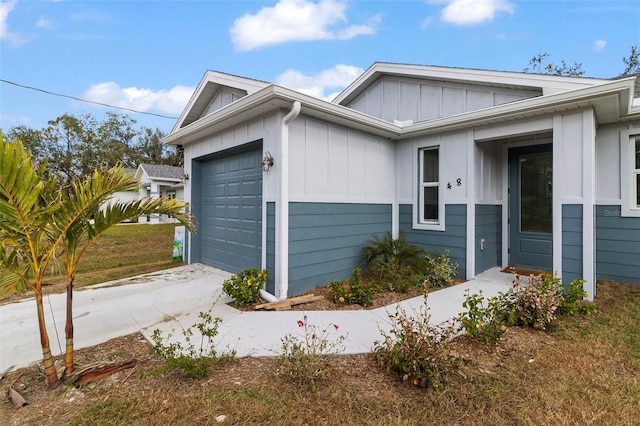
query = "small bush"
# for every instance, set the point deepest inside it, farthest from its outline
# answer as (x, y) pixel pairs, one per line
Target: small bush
(418, 351)
(385, 277)
(536, 303)
(487, 322)
(194, 361)
(572, 299)
(357, 291)
(439, 269)
(245, 286)
(305, 358)
(395, 253)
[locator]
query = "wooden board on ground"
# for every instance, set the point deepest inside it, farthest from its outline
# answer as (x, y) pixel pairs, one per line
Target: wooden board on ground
(283, 305)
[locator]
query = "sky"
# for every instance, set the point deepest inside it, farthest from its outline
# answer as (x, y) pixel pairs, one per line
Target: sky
(149, 55)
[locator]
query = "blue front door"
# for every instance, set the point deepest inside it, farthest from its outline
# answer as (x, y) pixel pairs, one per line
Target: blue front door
(530, 208)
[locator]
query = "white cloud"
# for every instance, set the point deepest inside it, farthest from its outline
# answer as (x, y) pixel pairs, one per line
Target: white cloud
(297, 20)
(44, 23)
(14, 119)
(469, 12)
(598, 45)
(338, 77)
(170, 101)
(12, 38)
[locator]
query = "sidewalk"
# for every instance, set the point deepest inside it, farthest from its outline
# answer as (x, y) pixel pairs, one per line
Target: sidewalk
(172, 299)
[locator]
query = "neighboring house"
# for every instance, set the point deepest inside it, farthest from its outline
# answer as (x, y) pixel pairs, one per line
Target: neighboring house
(500, 168)
(156, 181)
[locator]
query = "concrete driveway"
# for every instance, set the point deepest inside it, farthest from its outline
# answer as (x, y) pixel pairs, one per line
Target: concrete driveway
(108, 310)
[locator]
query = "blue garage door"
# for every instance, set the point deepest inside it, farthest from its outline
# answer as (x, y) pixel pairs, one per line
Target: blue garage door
(230, 222)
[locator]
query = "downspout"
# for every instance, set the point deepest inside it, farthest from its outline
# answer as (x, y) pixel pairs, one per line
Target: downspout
(283, 219)
(282, 228)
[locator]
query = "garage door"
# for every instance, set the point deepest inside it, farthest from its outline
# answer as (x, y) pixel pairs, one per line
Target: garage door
(230, 222)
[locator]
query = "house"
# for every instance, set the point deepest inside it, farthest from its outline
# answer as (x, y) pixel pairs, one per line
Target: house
(156, 181)
(500, 168)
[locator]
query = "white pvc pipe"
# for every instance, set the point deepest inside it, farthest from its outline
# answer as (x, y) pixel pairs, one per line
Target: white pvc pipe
(268, 296)
(283, 218)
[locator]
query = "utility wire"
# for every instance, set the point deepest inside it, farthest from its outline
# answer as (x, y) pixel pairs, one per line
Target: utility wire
(84, 100)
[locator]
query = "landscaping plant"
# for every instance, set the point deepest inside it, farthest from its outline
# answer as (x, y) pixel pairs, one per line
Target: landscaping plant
(439, 269)
(356, 291)
(193, 360)
(245, 286)
(486, 320)
(305, 358)
(418, 351)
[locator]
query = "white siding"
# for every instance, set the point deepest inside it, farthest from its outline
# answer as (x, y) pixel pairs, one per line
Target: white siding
(571, 137)
(608, 166)
(404, 99)
(328, 163)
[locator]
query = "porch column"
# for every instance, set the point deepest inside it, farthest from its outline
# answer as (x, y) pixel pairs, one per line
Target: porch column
(588, 205)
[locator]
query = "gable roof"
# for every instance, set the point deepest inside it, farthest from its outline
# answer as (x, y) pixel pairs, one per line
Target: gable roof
(162, 172)
(549, 84)
(211, 82)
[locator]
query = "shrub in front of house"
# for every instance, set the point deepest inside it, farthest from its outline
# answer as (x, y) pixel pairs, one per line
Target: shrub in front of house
(244, 287)
(355, 290)
(418, 352)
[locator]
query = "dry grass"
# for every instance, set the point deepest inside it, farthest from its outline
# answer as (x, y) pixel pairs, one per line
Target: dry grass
(585, 371)
(123, 251)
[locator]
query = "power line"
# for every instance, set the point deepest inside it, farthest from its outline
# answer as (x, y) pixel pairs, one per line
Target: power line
(84, 100)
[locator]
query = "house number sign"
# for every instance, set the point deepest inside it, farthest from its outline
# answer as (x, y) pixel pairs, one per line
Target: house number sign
(458, 183)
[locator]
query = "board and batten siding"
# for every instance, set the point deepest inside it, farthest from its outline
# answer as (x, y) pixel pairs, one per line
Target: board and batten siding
(571, 242)
(489, 229)
(271, 248)
(329, 163)
(404, 99)
(222, 98)
(326, 240)
(617, 245)
(453, 238)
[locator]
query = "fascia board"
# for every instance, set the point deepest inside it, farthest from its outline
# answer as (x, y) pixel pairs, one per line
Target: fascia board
(223, 79)
(550, 83)
(276, 97)
(621, 88)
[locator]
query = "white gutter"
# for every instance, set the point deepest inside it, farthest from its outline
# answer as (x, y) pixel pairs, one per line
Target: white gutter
(283, 216)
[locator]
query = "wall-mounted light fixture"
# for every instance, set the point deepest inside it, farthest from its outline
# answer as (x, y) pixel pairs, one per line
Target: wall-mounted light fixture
(267, 161)
(184, 177)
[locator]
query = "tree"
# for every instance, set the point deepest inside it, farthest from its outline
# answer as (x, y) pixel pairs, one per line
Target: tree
(539, 65)
(39, 219)
(632, 63)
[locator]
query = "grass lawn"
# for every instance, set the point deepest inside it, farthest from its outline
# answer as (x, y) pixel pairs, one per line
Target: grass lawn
(123, 251)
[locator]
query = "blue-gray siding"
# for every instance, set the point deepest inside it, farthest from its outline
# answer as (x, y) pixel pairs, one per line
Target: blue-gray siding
(617, 246)
(453, 238)
(271, 247)
(488, 228)
(571, 242)
(326, 240)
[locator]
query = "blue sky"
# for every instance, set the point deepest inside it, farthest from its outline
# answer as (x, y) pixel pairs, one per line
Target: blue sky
(150, 55)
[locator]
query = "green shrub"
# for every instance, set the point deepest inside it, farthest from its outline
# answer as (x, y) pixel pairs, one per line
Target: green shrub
(385, 277)
(439, 270)
(245, 286)
(194, 361)
(572, 299)
(418, 351)
(486, 322)
(305, 358)
(357, 291)
(395, 253)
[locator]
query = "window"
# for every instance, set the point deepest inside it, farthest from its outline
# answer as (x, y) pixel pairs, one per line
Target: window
(630, 172)
(429, 197)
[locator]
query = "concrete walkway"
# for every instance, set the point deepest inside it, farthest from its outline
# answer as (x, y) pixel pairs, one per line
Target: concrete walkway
(173, 299)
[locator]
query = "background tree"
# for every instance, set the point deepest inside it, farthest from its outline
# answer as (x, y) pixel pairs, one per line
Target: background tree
(632, 63)
(540, 64)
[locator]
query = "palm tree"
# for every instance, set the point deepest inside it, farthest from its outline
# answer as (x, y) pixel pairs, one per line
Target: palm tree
(80, 221)
(39, 219)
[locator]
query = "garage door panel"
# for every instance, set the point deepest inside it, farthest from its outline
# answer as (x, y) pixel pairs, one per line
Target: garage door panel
(231, 228)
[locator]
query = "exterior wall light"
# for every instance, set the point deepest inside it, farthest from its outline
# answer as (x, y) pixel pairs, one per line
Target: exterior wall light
(184, 177)
(267, 161)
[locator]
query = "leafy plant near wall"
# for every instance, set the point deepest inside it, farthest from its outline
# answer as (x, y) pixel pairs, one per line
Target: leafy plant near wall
(394, 253)
(355, 291)
(245, 286)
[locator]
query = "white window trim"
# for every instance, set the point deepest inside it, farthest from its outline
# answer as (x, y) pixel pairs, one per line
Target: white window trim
(418, 205)
(628, 173)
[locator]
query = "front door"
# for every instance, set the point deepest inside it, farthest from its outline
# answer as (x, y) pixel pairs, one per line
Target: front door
(530, 208)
